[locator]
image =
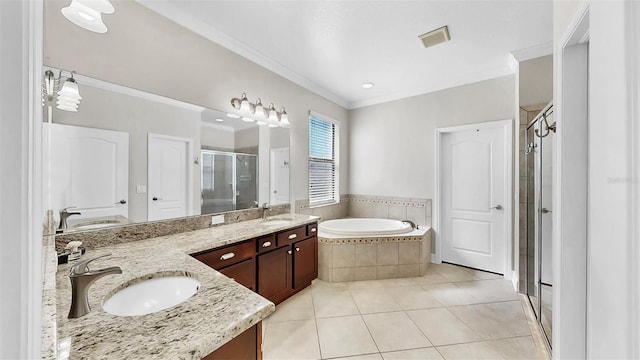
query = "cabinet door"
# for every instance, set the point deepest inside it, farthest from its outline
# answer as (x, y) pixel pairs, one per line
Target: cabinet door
(243, 273)
(274, 274)
(304, 263)
(246, 346)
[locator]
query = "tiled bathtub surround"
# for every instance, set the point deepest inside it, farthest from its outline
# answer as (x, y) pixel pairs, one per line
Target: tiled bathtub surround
(325, 212)
(386, 207)
(123, 234)
(372, 258)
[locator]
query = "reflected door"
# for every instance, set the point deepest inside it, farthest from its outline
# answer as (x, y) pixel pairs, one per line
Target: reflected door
(279, 176)
(88, 169)
(169, 177)
(473, 178)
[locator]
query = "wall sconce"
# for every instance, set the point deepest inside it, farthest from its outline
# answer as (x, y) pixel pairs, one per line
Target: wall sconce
(65, 87)
(257, 112)
(88, 14)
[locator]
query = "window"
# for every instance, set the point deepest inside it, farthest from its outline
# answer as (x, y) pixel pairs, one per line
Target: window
(323, 160)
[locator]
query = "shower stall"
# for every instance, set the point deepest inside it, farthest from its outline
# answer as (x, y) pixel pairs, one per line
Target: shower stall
(228, 181)
(539, 155)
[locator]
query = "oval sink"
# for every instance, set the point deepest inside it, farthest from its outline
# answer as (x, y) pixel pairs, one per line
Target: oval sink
(276, 222)
(151, 295)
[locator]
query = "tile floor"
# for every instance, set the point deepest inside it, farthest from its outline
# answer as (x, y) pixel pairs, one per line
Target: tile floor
(449, 313)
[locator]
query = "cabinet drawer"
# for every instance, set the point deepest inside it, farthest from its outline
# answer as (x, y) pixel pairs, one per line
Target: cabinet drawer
(266, 243)
(290, 236)
(243, 273)
(312, 229)
(229, 255)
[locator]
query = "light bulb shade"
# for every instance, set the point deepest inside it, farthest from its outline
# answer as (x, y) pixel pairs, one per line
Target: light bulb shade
(247, 119)
(84, 16)
(245, 106)
(70, 90)
(273, 114)
(259, 110)
(103, 6)
(63, 101)
(284, 118)
(67, 108)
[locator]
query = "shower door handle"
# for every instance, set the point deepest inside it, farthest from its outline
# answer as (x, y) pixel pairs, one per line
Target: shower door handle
(497, 207)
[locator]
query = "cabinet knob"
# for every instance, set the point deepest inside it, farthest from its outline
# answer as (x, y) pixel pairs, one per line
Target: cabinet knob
(227, 256)
(289, 252)
(314, 229)
(297, 249)
(266, 244)
(293, 236)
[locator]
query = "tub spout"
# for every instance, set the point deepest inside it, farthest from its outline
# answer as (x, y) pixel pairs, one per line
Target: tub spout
(413, 225)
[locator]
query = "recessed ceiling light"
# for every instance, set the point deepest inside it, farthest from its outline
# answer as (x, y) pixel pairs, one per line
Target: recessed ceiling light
(233, 116)
(218, 119)
(367, 85)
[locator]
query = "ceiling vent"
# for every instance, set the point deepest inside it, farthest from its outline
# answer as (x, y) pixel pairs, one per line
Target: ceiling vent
(435, 37)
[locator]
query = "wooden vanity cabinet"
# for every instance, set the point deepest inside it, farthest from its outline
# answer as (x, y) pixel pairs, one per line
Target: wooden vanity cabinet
(246, 346)
(237, 261)
(291, 267)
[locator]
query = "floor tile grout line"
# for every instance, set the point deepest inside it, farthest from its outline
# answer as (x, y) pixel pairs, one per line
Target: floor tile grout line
(483, 341)
(315, 321)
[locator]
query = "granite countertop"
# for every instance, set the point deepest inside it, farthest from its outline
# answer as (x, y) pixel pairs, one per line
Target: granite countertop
(219, 311)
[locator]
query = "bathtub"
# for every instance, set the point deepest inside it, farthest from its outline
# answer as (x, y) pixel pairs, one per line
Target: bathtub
(368, 249)
(364, 227)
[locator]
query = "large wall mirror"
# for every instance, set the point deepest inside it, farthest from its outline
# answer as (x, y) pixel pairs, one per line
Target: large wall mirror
(128, 156)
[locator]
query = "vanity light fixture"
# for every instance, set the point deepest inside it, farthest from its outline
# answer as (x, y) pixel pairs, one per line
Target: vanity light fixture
(257, 112)
(66, 89)
(88, 14)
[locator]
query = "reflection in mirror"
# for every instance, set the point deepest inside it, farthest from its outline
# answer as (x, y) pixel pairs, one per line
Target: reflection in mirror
(128, 156)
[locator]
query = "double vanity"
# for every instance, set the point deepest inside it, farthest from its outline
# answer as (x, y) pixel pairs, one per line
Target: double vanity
(239, 271)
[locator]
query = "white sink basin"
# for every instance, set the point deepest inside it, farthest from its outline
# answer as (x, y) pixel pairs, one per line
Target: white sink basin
(276, 222)
(96, 225)
(151, 295)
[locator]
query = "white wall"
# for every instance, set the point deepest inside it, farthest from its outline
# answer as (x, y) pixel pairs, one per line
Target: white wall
(166, 59)
(21, 228)
(613, 301)
(392, 145)
(109, 110)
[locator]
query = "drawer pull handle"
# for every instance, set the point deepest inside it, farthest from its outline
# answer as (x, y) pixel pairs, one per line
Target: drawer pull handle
(314, 229)
(266, 244)
(227, 256)
(297, 249)
(289, 252)
(293, 236)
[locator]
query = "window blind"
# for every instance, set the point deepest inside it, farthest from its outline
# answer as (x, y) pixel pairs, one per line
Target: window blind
(322, 161)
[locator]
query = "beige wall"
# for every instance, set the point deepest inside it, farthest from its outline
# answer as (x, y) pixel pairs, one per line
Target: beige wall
(535, 81)
(138, 117)
(392, 149)
(146, 51)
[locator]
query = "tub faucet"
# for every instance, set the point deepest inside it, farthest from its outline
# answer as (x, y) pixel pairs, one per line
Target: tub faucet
(81, 279)
(64, 215)
(265, 207)
(413, 225)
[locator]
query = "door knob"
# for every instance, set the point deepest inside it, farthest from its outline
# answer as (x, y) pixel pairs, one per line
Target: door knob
(156, 198)
(545, 210)
(123, 201)
(497, 207)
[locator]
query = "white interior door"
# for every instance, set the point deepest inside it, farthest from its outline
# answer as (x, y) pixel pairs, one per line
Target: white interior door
(279, 176)
(474, 169)
(170, 177)
(87, 169)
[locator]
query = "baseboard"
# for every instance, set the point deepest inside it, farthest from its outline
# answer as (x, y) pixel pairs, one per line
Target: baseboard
(434, 259)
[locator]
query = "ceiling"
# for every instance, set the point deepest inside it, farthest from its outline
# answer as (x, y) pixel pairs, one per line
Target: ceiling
(333, 47)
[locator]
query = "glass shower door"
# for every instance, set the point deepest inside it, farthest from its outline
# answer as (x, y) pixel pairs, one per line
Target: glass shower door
(217, 182)
(540, 151)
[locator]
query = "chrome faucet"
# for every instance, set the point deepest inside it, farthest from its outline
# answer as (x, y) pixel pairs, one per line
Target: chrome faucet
(64, 215)
(265, 207)
(413, 225)
(81, 279)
